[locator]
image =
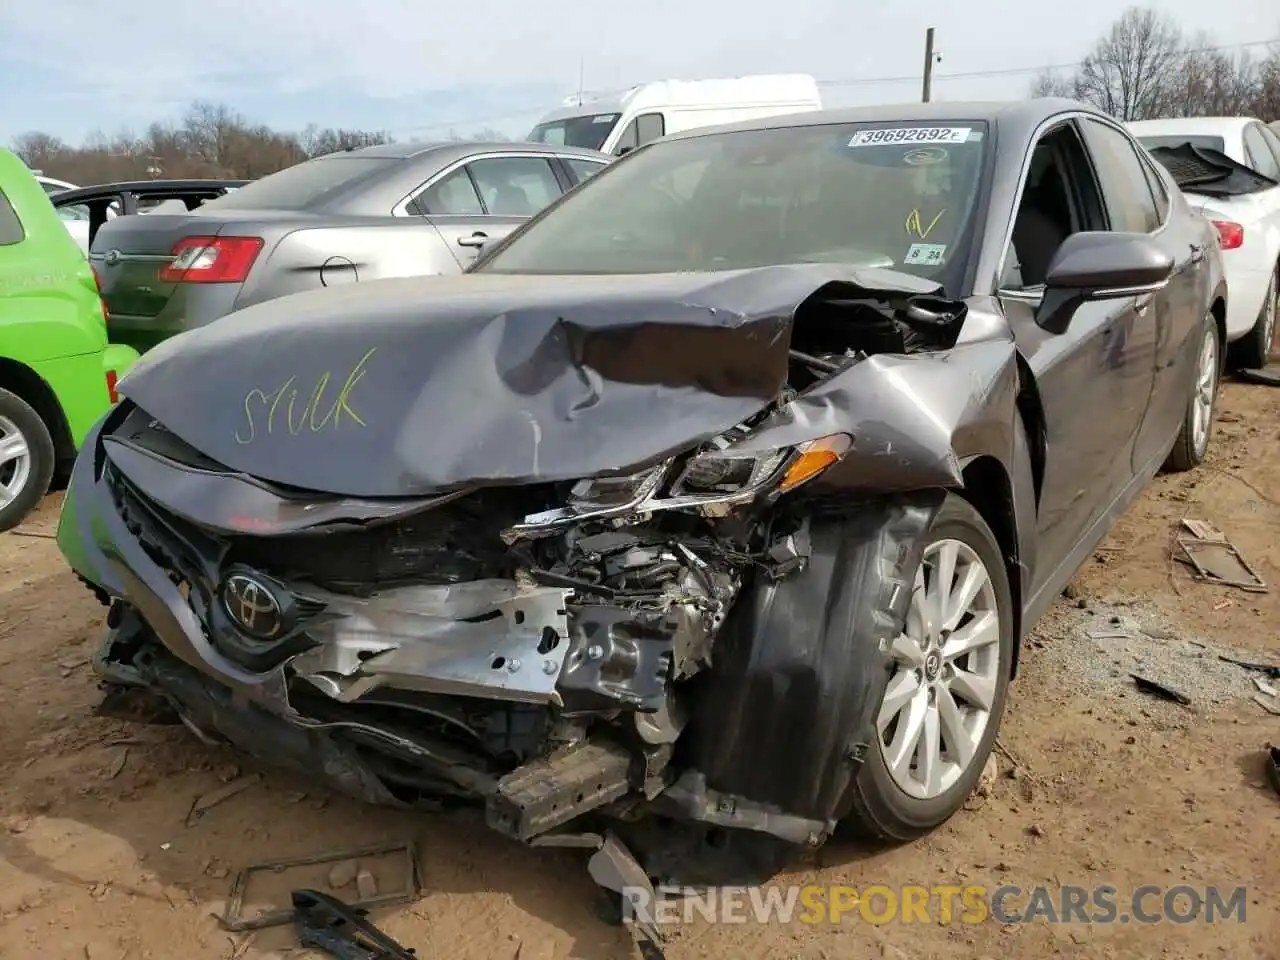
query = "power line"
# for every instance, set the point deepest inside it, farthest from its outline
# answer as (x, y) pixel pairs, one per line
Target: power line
(541, 106)
(1014, 71)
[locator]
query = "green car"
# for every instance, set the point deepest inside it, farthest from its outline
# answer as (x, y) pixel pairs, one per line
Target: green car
(58, 373)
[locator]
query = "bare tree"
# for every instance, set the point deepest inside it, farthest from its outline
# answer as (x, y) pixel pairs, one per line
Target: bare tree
(39, 150)
(212, 140)
(1126, 74)
(1143, 68)
(1051, 84)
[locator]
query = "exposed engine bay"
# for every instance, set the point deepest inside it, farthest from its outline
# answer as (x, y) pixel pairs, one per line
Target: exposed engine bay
(540, 648)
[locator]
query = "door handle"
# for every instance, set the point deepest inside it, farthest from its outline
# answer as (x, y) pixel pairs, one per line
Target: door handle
(1197, 252)
(477, 239)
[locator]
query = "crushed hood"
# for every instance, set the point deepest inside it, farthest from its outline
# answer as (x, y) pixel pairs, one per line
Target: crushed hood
(419, 385)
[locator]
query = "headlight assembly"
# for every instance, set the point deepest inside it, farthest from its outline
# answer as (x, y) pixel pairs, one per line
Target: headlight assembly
(712, 482)
(612, 493)
(729, 474)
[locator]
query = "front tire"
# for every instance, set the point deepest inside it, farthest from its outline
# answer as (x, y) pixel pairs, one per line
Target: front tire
(948, 679)
(26, 459)
(1192, 444)
(1253, 350)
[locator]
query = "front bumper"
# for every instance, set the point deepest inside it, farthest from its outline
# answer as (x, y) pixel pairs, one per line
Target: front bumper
(495, 669)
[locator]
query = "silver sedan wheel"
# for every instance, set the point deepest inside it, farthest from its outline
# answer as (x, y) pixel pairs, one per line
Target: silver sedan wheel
(1269, 313)
(1206, 388)
(946, 673)
(15, 462)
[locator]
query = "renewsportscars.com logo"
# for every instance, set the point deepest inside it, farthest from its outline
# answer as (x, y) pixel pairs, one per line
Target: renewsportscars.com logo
(945, 904)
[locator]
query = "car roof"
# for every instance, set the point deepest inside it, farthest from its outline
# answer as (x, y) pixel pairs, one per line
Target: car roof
(1029, 113)
(1191, 126)
(456, 149)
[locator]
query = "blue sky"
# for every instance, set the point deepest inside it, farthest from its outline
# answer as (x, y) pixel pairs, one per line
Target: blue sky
(69, 67)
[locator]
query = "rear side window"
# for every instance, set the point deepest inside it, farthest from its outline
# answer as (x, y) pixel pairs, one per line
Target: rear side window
(1259, 153)
(11, 231)
(1124, 183)
(454, 195)
(304, 186)
(1273, 141)
(515, 186)
(582, 169)
(1158, 189)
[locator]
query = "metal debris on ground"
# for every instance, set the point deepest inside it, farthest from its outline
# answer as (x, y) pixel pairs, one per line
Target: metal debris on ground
(1160, 690)
(1269, 704)
(366, 885)
(1215, 559)
(615, 869)
(343, 874)
(204, 804)
(1266, 669)
(233, 919)
(341, 929)
(1268, 376)
(118, 764)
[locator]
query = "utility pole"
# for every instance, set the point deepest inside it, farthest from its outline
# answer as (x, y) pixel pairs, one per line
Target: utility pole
(928, 66)
(582, 72)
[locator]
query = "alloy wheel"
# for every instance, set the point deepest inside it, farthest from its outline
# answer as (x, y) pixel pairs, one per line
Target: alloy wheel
(1205, 389)
(946, 665)
(15, 462)
(1269, 309)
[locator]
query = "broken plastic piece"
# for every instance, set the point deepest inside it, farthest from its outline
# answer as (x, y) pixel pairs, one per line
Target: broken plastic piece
(1216, 559)
(1266, 669)
(234, 921)
(1267, 376)
(1160, 690)
(328, 924)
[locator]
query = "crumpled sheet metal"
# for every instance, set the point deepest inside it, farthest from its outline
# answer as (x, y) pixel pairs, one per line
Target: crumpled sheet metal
(409, 387)
(914, 420)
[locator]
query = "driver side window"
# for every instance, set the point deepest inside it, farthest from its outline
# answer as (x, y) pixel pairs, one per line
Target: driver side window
(1059, 198)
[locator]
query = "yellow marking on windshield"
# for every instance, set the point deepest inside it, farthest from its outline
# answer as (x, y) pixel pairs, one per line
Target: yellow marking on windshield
(915, 225)
(298, 417)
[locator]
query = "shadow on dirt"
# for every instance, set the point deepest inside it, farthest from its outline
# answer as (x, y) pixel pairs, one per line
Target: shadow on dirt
(128, 827)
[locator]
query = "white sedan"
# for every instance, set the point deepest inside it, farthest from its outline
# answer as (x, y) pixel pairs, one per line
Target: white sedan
(1247, 218)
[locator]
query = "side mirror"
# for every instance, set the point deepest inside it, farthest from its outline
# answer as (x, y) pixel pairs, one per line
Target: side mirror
(1099, 265)
(623, 151)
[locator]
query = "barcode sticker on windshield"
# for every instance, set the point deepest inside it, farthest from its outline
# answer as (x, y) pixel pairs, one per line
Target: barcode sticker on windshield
(887, 136)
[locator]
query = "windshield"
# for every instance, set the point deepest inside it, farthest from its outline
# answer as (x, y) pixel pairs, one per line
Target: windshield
(589, 131)
(1174, 140)
(303, 186)
(891, 195)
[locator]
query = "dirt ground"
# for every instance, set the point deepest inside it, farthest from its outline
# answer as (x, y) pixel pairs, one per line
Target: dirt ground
(98, 859)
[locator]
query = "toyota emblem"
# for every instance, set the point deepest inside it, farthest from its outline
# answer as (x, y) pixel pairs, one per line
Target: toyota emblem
(253, 606)
(111, 257)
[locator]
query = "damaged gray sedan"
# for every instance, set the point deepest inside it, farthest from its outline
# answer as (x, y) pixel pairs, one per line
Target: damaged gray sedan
(705, 515)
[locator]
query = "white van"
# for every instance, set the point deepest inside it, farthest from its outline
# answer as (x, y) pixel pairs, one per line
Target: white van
(619, 122)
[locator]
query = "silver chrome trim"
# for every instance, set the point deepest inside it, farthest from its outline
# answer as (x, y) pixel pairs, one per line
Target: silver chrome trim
(119, 257)
(1116, 293)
